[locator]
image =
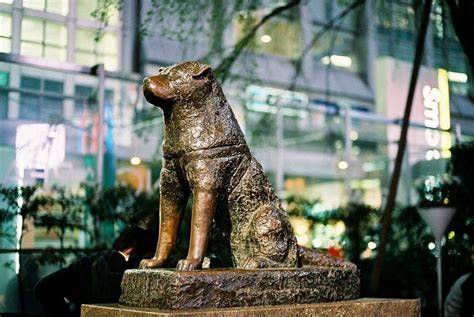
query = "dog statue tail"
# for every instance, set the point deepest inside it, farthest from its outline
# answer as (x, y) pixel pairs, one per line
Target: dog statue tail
(310, 257)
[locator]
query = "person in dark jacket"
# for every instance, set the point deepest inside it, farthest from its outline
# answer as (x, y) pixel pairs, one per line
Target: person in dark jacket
(95, 278)
(460, 300)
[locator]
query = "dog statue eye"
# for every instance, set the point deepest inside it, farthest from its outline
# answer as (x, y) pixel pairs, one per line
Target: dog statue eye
(202, 75)
(199, 77)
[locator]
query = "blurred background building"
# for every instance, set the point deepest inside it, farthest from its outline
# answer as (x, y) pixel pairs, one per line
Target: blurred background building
(332, 138)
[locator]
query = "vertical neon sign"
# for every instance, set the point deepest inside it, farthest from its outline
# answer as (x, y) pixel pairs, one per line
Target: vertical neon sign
(437, 116)
(444, 113)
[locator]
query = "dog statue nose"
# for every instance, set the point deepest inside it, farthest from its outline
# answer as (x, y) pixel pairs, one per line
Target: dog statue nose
(149, 84)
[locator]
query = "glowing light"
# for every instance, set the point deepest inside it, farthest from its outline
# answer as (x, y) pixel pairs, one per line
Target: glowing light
(317, 243)
(343, 165)
(446, 200)
(302, 239)
(432, 155)
(371, 245)
(432, 98)
(366, 254)
(356, 150)
(354, 135)
(20, 200)
(446, 153)
(339, 228)
(457, 77)
(431, 245)
(301, 228)
(135, 160)
(451, 235)
(337, 60)
(266, 38)
(19, 229)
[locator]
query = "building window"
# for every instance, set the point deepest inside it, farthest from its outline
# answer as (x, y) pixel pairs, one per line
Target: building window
(350, 22)
(280, 36)
(5, 32)
(90, 52)
(396, 28)
(85, 99)
(34, 41)
(448, 52)
(41, 99)
(3, 95)
(337, 48)
(53, 6)
(86, 8)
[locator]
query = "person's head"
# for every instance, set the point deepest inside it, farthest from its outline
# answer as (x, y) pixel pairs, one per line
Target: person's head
(139, 240)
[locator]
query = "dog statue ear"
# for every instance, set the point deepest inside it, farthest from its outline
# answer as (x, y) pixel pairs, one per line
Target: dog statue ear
(201, 72)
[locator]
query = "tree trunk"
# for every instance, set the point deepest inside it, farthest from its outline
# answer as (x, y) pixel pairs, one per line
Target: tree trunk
(387, 216)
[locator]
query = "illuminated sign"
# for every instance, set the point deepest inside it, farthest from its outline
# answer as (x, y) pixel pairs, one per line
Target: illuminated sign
(337, 60)
(437, 117)
(444, 113)
(264, 99)
(40, 146)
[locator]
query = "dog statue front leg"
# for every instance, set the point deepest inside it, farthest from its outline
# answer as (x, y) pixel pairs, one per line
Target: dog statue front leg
(173, 200)
(170, 219)
(204, 206)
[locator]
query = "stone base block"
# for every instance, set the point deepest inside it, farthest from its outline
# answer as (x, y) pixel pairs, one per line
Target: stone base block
(368, 307)
(177, 290)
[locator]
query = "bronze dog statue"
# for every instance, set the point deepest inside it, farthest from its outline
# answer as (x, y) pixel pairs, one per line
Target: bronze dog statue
(205, 154)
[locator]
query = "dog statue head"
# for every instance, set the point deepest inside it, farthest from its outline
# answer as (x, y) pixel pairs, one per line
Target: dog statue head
(178, 83)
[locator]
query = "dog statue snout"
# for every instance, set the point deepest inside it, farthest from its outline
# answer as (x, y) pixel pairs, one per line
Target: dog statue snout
(148, 84)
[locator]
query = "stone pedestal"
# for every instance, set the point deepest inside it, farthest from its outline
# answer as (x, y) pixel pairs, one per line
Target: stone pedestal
(367, 307)
(218, 288)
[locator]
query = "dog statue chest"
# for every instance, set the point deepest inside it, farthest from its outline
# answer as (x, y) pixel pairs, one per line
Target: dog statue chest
(190, 128)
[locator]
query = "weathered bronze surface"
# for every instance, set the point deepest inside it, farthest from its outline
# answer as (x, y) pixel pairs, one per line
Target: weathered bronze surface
(205, 154)
(173, 289)
(368, 307)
